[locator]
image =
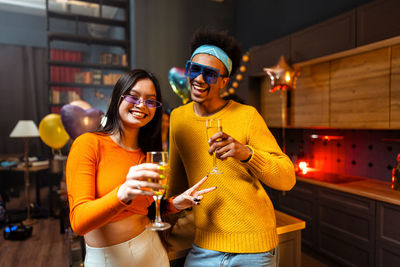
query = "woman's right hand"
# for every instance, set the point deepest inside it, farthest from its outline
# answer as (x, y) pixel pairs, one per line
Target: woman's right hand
(137, 182)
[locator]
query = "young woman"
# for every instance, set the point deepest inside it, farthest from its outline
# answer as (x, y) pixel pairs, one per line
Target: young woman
(107, 181)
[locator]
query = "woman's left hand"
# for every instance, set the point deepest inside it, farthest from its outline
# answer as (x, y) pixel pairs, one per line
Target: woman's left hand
(191, 196)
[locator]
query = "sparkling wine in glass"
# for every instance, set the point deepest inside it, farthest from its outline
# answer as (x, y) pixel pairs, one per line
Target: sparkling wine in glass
(214, 126)
(160, 158)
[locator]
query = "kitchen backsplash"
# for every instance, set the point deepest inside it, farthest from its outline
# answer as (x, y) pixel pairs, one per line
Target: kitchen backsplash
(366, 153)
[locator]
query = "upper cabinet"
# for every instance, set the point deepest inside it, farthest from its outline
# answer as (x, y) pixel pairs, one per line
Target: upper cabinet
(395, 88)
(377, 20)
(349, 71)
(310, 100)
(334, 35)
(359, 90)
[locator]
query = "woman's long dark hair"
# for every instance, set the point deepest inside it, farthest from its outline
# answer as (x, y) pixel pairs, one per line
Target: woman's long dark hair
(149, 138)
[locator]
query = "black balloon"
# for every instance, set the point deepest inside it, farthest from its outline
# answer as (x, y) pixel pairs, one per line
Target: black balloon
(77, 121)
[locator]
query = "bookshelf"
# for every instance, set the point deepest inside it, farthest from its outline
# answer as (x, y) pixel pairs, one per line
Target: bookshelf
(88, 44)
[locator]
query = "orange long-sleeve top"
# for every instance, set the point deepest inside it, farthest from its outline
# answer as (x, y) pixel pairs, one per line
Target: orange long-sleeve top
(96, 168)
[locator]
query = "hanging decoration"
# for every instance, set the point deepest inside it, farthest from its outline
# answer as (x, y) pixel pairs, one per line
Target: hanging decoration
(282, 78)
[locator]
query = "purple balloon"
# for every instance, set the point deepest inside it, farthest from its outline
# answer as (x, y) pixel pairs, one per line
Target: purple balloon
(77, 121)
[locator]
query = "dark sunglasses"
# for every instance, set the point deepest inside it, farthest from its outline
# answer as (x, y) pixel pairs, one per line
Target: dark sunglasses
(210, 75)
(150, 103)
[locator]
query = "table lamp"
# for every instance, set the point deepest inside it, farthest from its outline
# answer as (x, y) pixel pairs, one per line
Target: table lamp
(26, 129)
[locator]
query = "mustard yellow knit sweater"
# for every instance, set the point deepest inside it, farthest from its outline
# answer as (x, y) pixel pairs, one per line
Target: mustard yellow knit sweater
(238, 217)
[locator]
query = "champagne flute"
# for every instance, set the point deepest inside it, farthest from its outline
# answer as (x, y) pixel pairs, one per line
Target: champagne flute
(214, 126)
(160, 158)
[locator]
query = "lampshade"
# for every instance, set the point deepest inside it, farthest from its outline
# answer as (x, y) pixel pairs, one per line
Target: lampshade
(25, 128)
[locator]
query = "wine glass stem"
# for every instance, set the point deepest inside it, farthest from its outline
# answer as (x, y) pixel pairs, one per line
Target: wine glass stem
(157, 199)
(214, 161)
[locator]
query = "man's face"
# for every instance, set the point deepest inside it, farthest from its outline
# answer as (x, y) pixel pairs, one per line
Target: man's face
(202, 92)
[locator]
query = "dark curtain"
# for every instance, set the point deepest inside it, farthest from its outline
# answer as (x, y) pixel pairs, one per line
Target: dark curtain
(23, 95)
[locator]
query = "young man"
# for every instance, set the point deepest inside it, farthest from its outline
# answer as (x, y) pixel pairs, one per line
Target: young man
(235, 225)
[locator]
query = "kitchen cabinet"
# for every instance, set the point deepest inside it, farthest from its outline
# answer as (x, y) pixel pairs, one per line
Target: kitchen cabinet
(270, 104)
(301, 203)
(360, 90)
(354, 223)
(265, 56)
(377, 20)
(328, 37)
(395, 88)
(310, 99)
(346, 226)
(387, 235)
(357, 89)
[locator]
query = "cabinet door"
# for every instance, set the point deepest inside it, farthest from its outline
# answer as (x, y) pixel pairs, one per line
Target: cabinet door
(328, 37)
(301, 202)
(359, 94)
(346, 228)
(310, 101)
(377, 21)
(395, 89)
(387, 235)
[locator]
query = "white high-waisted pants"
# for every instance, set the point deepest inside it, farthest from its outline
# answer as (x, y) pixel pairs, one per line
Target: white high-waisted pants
(144, 250)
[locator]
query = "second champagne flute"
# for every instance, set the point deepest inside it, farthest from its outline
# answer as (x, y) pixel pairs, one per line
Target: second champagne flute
(214, 126)
(160, 158)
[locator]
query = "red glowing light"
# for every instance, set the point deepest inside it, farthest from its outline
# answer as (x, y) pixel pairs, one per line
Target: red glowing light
(303, 166)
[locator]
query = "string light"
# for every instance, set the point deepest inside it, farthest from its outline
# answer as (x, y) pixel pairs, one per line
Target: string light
(239, 77)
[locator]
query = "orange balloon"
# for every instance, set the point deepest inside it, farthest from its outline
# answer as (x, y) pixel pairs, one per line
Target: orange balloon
(82, 104)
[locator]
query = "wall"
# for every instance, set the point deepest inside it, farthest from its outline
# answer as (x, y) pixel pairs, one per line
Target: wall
(163, 30)
(22, 29)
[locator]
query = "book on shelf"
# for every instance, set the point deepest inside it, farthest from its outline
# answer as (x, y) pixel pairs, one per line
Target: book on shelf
(64, 95)
(96, 76)
(113, 59)
(111, 78)
(124, 60)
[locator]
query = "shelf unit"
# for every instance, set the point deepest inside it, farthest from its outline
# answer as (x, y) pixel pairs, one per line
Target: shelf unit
(88, 44)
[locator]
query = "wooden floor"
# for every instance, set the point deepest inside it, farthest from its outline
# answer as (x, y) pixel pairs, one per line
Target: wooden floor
(48, 247)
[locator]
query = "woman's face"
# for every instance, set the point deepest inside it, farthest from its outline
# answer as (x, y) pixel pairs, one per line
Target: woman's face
(138, 115)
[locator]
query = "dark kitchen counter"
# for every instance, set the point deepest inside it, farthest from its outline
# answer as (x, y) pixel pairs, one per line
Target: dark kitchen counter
(361, 186)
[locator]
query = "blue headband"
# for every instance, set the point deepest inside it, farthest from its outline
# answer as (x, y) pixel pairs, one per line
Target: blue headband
(216, 52)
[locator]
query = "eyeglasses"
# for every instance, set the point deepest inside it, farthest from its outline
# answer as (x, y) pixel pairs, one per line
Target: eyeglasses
(150, 103)
(210, 75)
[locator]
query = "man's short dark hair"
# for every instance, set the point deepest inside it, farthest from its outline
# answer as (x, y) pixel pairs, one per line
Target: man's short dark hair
(221, 39)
